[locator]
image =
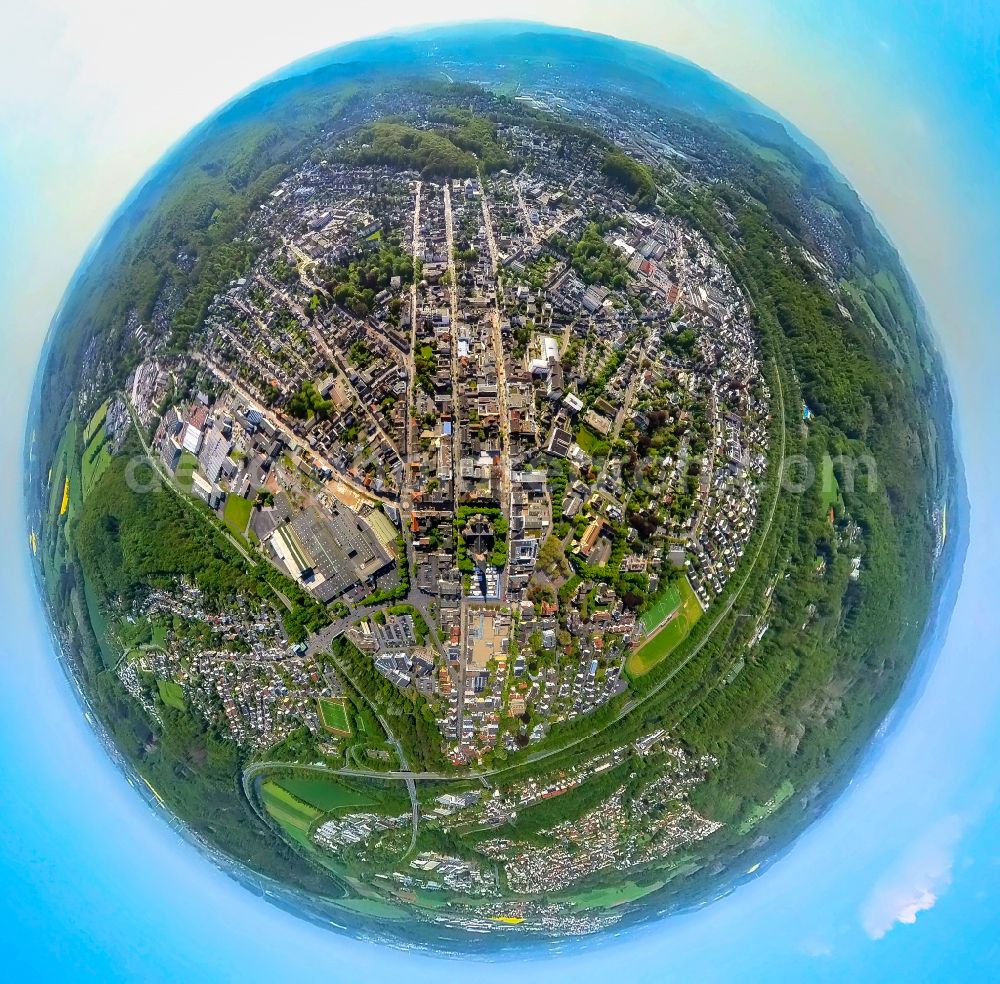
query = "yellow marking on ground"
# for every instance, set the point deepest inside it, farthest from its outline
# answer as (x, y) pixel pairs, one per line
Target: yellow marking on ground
(159, 798)
(510, 920)
(65, 499)
(33, 540)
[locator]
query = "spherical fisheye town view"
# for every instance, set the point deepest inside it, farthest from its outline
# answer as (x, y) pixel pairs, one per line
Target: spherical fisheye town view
(490, 492)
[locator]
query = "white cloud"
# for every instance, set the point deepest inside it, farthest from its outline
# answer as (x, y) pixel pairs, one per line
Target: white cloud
(915, 883)
(816, 946)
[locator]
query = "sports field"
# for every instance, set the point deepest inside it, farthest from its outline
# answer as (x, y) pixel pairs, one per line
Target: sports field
(333, 714)
(669, 636)
(665, 605)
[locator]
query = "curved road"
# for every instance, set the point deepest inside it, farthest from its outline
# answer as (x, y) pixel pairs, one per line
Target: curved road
(251, 772)
(404, 773)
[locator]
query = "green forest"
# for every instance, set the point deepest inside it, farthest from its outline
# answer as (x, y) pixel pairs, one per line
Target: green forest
(434, 154)
(354, 283)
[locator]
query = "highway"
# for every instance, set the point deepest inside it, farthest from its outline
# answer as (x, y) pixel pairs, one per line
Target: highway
(259, 768)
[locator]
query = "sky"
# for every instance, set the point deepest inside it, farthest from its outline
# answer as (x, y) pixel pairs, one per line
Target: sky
(899, 878)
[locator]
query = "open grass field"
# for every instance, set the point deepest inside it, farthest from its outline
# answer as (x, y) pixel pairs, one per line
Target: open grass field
(186, 468)
(588, 440)
(57, 480)
(99, 623)
(324, 795)
(171, 693)
(373, 907)
(669, 636)
(52, 543)
(612, 895)
(428, 899)
(333, 714)
(830, 492)
(96, 458)
(95, 422)
(297, 834)
(294, 816)
(665, 605)
(758, 813)
(237, 513)
(64, 466)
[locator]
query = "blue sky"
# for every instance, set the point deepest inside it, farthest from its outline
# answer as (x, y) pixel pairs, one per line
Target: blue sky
(899, 879)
